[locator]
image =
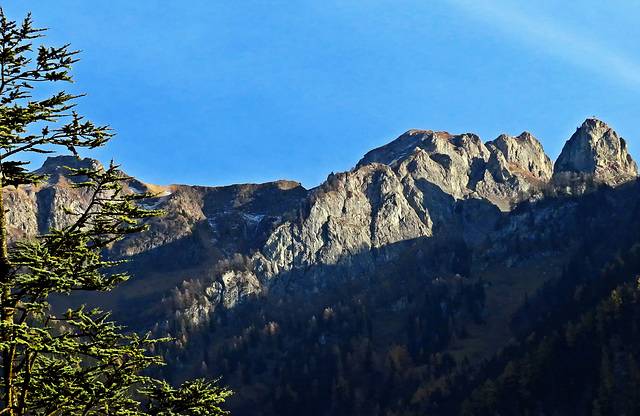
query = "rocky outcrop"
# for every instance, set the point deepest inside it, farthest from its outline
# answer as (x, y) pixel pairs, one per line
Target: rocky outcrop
(440, 158)
(58, 167)
(34, 209)
(233, 287)
(503, 171)
(412, 188)
(348, 218)
(595, 149)
(22, 216)
(524, 154)
(517, 169)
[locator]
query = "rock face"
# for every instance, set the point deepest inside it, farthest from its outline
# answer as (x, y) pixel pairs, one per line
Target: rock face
(56, 167)
(349, 218)
(503, 171)
(401, 192)
(422, 186)
(33, 209)
(524, 154)
(597, 150)
(447, 161)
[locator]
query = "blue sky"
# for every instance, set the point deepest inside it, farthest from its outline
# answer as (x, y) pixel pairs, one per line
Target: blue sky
(218, 92)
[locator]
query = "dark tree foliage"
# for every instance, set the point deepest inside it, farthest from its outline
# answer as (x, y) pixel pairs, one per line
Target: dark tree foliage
(78, 362)
(370, 352)
(578, 359)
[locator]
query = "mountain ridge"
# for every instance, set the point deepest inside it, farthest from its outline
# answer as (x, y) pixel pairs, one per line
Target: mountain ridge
(432, 229)
(409, 188)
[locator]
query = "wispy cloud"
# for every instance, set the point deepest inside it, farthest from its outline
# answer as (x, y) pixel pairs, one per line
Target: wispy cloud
(550, 36)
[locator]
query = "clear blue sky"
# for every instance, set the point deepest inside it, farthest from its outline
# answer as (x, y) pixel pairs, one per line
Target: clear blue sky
(216, 92)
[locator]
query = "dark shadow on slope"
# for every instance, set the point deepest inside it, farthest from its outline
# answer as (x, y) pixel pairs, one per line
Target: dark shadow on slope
(242, 216)
(154, 274)
(231, 213)
(44, 201)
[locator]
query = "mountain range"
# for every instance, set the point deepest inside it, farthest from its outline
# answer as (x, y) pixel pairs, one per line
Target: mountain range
(398, 287)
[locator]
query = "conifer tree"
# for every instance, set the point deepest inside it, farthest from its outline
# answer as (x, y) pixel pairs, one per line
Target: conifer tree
(79, 362)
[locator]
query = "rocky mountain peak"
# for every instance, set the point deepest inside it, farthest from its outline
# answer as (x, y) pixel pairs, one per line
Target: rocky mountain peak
(55, 166)
(596, 149)
(55, 163)
(398, 149)
(524, 153)
(432, 142)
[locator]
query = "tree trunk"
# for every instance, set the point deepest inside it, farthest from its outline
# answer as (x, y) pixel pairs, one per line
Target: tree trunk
(7, 310)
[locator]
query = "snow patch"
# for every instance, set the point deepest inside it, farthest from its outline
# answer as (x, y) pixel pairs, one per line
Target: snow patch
(404, 154)
(253, 218)
(154, 204)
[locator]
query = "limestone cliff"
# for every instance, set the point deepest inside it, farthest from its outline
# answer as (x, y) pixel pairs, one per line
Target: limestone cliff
(422, 184)
(349, 220)
(597, 150)
(503, 171)
(33, 209)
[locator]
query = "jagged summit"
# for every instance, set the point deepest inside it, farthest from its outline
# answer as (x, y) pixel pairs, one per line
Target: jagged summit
(502, 171)
(596, 149)
(401, 147)
(524, 152)
(56, 164)
(56, 168)
(507, 167)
